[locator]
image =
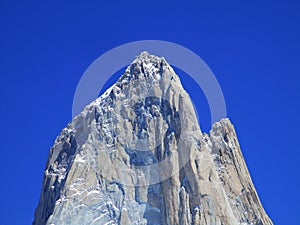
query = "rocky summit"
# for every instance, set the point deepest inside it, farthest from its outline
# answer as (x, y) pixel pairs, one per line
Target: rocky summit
(136, 155)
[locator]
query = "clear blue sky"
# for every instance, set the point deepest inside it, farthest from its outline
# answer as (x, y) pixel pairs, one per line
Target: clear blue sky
(252, 47)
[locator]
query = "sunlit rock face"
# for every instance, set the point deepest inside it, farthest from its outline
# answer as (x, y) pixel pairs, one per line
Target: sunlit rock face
(136, 155)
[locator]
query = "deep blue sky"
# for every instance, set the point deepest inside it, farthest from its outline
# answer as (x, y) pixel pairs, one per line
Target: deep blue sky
(252, 48)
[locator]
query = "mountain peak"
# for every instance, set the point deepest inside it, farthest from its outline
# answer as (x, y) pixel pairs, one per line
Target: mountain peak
(146, 65)
(136, 155)
(146, 57)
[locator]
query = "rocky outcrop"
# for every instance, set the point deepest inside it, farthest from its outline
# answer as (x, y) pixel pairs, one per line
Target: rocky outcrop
(136, 155)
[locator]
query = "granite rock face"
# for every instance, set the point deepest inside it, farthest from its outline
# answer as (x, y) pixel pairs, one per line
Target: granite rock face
(136, 155)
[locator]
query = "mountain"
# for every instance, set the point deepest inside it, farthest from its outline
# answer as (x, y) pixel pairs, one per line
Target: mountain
(136, 155)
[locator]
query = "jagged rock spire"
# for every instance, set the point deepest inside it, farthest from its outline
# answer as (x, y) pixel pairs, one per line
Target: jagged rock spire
(136, 155)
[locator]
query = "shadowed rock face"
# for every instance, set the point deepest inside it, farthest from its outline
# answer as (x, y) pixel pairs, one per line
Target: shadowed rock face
(136, 155)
